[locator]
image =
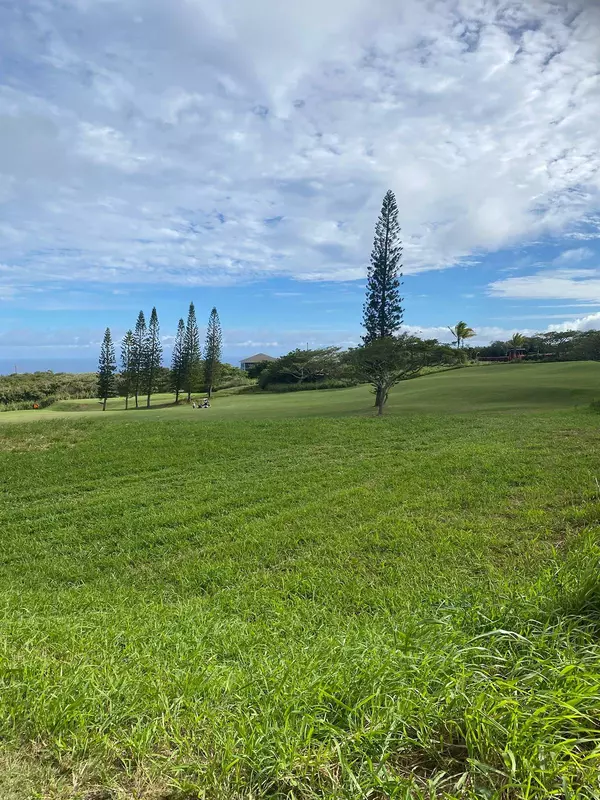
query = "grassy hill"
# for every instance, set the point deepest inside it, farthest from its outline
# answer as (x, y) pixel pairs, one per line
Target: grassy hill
(499, 387)
(293, 599)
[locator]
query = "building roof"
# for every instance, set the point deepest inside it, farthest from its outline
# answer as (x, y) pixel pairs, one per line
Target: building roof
(257, 359)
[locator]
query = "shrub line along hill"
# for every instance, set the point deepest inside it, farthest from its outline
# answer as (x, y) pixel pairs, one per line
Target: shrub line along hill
(284, 597)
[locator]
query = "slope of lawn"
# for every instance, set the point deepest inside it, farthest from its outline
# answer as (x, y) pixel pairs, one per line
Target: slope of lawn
(334, 607)
(498, 387)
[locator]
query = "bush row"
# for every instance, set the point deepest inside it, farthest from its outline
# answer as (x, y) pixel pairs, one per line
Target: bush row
(327, 383)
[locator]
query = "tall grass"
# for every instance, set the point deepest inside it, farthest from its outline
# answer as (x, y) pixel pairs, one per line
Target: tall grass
(319, 608)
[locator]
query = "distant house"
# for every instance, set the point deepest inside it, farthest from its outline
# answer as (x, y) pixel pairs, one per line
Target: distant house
(249, 362)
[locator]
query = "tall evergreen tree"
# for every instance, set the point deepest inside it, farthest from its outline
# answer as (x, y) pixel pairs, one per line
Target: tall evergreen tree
(191, 353)
(382, 312)
(140, 343)
(127, 366)
(153, 354)
(178, 361)
(107, 366)
(212, 352)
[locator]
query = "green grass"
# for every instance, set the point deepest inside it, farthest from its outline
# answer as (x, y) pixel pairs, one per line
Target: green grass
(332, 606)
(501, 387)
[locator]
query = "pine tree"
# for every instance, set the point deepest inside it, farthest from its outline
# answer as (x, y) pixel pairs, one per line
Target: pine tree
(127, 366)
(191, 353)
(178, 361)
(382, 313)
(139, 356)
(107, 366)
(212, 352)
(153, 354)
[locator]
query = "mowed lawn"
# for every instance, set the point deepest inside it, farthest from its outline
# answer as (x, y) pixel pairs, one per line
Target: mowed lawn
(497, 387)
(296, 606)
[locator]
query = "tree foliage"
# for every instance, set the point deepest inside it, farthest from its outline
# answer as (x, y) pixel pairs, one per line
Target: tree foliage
(303, 367)
(43, 388)
(212, 352)
(140, 344)
(517, 341)
(311, 365)
(153, 354)
(107, 367)
(127, 375)
(386, 361)
(586, 346)
(177, 378)
(552, 346)
(461, 332)
(383, 313)
(256, 369)
(191, 349)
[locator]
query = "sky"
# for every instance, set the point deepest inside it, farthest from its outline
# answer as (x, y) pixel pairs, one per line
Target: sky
(236, 154)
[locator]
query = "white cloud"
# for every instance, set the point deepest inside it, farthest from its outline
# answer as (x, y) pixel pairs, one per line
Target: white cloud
(589, 323)
(191, 143)
(7, 292)
(572, 284)
(105, 145)
(574, 255)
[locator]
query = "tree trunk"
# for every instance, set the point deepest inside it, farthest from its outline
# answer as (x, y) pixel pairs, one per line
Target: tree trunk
(209, 392)
(126, 402)
(176, 396)
(381, 397)
(104, 404)
(150, 380)
(136, 399)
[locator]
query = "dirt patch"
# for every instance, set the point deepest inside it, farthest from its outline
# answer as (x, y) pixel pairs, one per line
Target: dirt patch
(26, 774)
(25, 444)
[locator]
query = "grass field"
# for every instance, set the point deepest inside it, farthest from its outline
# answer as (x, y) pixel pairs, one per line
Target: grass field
(501, 387)
(295, 599)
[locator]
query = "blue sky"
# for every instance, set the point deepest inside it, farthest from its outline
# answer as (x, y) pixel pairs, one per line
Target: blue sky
(236, 154)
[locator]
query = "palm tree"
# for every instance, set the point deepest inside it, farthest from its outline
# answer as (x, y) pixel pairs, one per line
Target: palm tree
(461, 331)
(517, 341)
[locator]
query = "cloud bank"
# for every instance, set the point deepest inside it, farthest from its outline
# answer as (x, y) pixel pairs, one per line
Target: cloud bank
(189, 143)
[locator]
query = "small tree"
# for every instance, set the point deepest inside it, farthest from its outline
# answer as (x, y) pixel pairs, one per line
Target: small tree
(178, 361)
(309, 365)
(212, 352)
(191, 353)
(153, 354)
(256, 369)
(107, 367)
(461, 331)
(127, 366)
(139, 356)
(385, 362)
(382, 313)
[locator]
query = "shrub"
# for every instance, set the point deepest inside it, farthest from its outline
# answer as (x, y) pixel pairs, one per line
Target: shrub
(332, 383)
(28, 388)
(233, 382)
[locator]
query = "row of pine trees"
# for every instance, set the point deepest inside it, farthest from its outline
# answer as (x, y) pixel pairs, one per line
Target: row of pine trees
(141, 360)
